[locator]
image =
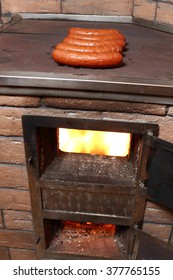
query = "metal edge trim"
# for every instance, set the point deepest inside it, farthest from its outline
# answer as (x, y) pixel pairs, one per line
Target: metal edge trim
(61, 77)
(15, 19)
(77, 17)
(106, 87)
(154, 25)
(40, 92)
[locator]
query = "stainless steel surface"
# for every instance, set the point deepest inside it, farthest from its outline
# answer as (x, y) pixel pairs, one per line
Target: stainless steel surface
(75, 82)
(25, 56)
(85, 95)
(76, 17)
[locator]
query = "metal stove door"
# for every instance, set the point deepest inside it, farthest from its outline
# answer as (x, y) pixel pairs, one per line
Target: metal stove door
(158, 161)
(147, 247)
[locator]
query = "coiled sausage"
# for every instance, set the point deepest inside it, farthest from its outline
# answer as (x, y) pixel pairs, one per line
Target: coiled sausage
(105, 47)
(83, 42)
(88, 31)
(97, 37)
(87, 59)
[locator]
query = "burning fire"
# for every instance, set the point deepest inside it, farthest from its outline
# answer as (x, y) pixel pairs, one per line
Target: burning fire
(86, 229)
(94, 142)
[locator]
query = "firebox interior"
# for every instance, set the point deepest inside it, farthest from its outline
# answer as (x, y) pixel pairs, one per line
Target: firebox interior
(51, 155)
(92, 167)
(94, 142)
(84, 239)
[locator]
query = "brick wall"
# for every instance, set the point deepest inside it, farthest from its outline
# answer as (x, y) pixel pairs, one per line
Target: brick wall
(34, 6)
(90, 7)
(17, 240)
(158, 221)
(154, 10)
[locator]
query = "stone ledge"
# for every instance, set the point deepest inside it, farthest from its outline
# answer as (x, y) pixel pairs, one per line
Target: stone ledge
(103, 105)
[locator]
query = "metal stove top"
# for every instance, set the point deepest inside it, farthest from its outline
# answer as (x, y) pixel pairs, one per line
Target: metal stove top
(27, 67)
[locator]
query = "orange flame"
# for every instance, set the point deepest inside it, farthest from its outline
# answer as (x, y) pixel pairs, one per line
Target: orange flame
(94, 142)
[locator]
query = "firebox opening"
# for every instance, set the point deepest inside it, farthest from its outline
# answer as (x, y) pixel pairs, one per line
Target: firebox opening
(85, 167)
(83, 238)
(94, 142)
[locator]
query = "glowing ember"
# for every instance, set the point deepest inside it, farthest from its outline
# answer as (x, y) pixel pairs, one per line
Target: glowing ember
(73, 229)
(94, 142)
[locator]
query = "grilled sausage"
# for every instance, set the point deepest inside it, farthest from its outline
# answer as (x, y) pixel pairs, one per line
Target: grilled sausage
(87, 31)
(105, 47)
(87, 59)
(83, 42)
(97, 37)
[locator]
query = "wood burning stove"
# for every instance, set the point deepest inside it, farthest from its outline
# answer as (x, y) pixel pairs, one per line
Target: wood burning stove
(75, 195)
(83, 193)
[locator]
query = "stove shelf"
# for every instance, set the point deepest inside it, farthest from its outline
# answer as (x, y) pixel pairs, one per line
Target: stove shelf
(89, 169)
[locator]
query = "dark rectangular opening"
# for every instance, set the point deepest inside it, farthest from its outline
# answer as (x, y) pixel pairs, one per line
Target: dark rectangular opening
(87, 239)
(92, 167)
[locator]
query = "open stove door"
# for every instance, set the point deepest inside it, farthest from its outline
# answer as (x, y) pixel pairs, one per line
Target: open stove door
(158, 170)
(157, 174)
(147, 247)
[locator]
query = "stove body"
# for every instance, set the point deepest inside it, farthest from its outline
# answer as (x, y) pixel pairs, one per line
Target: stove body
(93, 188)
(134, 98)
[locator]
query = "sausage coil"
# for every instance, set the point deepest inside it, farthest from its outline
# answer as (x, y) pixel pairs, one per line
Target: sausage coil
(90, 48)
(87, 31)
(83, 42)
(105, 47)
(97, 37)
(87, 59)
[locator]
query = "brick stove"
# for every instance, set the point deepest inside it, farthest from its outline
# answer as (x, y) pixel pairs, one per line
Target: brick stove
(135, 98)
